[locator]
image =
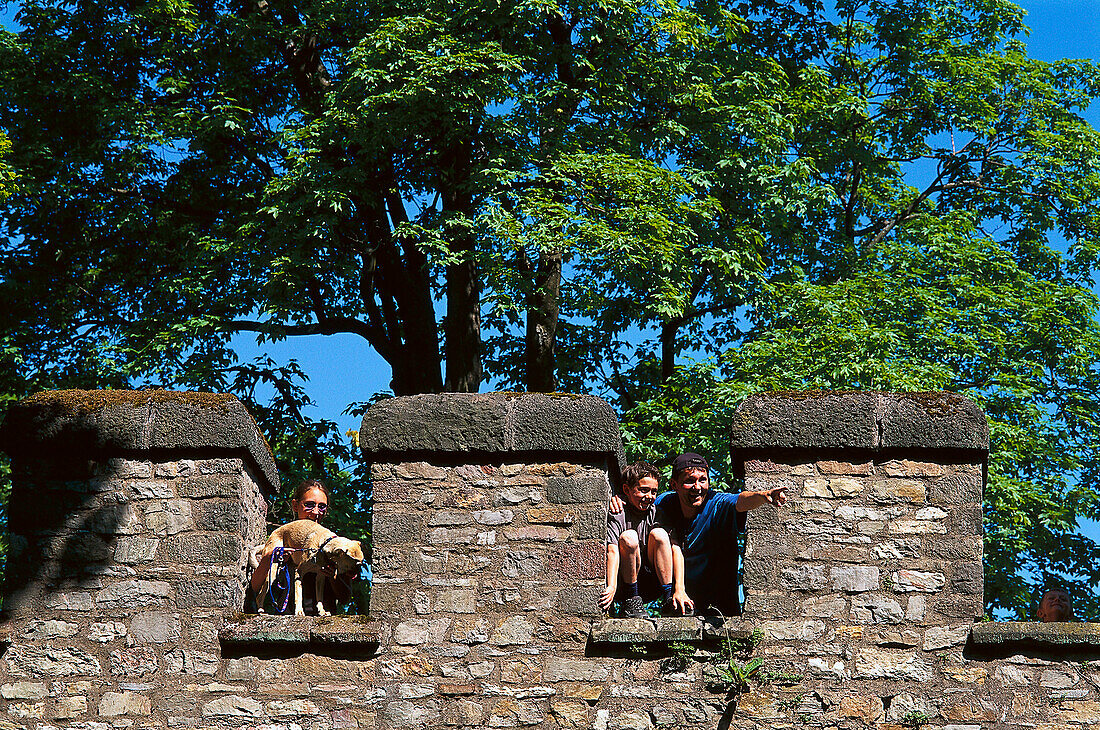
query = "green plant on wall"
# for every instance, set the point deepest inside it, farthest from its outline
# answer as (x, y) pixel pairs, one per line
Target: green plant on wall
(914, 719)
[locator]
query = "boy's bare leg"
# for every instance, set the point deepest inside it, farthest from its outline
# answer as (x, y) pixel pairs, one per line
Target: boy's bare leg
(611, 577)
(659, 548)
(630, 556)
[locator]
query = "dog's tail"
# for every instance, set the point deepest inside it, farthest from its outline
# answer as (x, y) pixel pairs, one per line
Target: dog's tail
(254, 554)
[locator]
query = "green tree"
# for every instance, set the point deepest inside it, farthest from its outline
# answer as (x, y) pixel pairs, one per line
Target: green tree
(673, 203)
(919, 249)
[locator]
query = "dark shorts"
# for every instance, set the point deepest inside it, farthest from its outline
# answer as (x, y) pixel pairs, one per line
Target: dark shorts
(649, 588)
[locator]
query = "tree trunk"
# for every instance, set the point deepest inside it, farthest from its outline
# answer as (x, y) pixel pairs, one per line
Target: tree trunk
(463, 326)
(463, 337)
(543, 304)
(668, 348)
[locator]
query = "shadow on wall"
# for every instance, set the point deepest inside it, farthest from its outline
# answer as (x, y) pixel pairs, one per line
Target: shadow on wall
(71, 525)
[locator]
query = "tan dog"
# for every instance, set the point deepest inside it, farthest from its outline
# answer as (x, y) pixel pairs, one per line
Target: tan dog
(312, 549)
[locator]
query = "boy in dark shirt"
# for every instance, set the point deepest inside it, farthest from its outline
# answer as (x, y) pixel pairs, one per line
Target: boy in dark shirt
(640, 556)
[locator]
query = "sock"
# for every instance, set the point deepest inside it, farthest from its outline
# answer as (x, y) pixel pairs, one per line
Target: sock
(666, 588)
(631, 589)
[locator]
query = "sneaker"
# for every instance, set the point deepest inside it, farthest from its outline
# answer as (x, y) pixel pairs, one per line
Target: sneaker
(634, 607)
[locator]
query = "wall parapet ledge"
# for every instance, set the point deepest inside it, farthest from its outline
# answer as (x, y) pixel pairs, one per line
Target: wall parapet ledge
(490, 424)
(79, 422)
(1011, 637)
(299, 634)
(859, 420)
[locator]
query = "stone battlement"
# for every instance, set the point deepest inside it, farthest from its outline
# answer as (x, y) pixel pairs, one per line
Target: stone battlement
(131, 513)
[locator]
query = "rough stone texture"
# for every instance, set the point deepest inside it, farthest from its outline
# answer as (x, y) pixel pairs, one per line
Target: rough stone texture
(492, 423)
(861, 593)
(859, 420)
(74, 421)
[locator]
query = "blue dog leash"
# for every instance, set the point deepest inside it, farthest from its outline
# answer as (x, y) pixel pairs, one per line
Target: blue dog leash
(279, 555)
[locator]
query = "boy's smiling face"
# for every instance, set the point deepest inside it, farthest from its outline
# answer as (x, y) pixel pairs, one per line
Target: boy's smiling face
(641, 495)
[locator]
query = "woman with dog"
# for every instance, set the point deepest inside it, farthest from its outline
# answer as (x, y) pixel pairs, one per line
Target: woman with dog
(310, 502)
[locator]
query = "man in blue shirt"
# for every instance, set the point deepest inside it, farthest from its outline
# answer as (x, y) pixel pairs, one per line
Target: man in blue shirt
(704, 524)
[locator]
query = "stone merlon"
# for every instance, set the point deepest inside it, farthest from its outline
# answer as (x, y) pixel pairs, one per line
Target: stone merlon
(859, 420)
(491, 423)
(85, 421)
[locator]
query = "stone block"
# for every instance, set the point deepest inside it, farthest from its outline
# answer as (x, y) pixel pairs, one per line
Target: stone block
(522, 564)
(198, 548)
(844, 468)
(854, 578)
(169, 517)
(456, 601)
(114, 519)
(86, 422)
(154, 627)
(104, 632)
(494, 517)
(907, 468)
(449, 518)
(133, 594)
(51, 629)
(135, 662)
(835, 487)
(396, 528)
(135, 550)
(968, 579)
(908, 581)
(410, 714)
(562, 669)
(943, 637)
(208, 594)
(577, 561)
(24, 691)
(798, 420)
(893, 491)
(802, 577)
(871, 663)
(202, 486)
(576, 490)
(932, 421)
(956, 489)
(113, 704)
(512, 631)
(578, 601)
(877, 610)
(71, 707)
(150, 489)
(218, 515)
(233, 706)
(189, 661)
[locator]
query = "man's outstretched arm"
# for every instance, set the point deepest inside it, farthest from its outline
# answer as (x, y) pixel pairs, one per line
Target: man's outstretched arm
(750, 500)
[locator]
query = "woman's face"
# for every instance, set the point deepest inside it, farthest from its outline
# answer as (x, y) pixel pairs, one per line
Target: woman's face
(312, 506)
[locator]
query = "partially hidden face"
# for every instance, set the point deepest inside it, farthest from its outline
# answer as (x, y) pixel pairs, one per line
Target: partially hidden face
(641, 495)
(691, 487)
(1055, 606)
(312, 506)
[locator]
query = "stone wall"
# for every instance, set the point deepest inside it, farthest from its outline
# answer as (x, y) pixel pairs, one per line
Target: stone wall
(862, 592)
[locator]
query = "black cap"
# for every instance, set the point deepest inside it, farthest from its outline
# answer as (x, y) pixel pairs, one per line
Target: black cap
(689, 461)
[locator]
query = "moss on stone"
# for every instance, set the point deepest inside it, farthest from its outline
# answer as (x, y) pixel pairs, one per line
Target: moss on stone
(81, 402)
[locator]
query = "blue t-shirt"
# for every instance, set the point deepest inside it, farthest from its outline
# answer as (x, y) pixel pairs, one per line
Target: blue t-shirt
(709, 542)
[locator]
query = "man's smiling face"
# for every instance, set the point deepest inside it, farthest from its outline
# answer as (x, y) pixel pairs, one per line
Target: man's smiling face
(691, 487)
